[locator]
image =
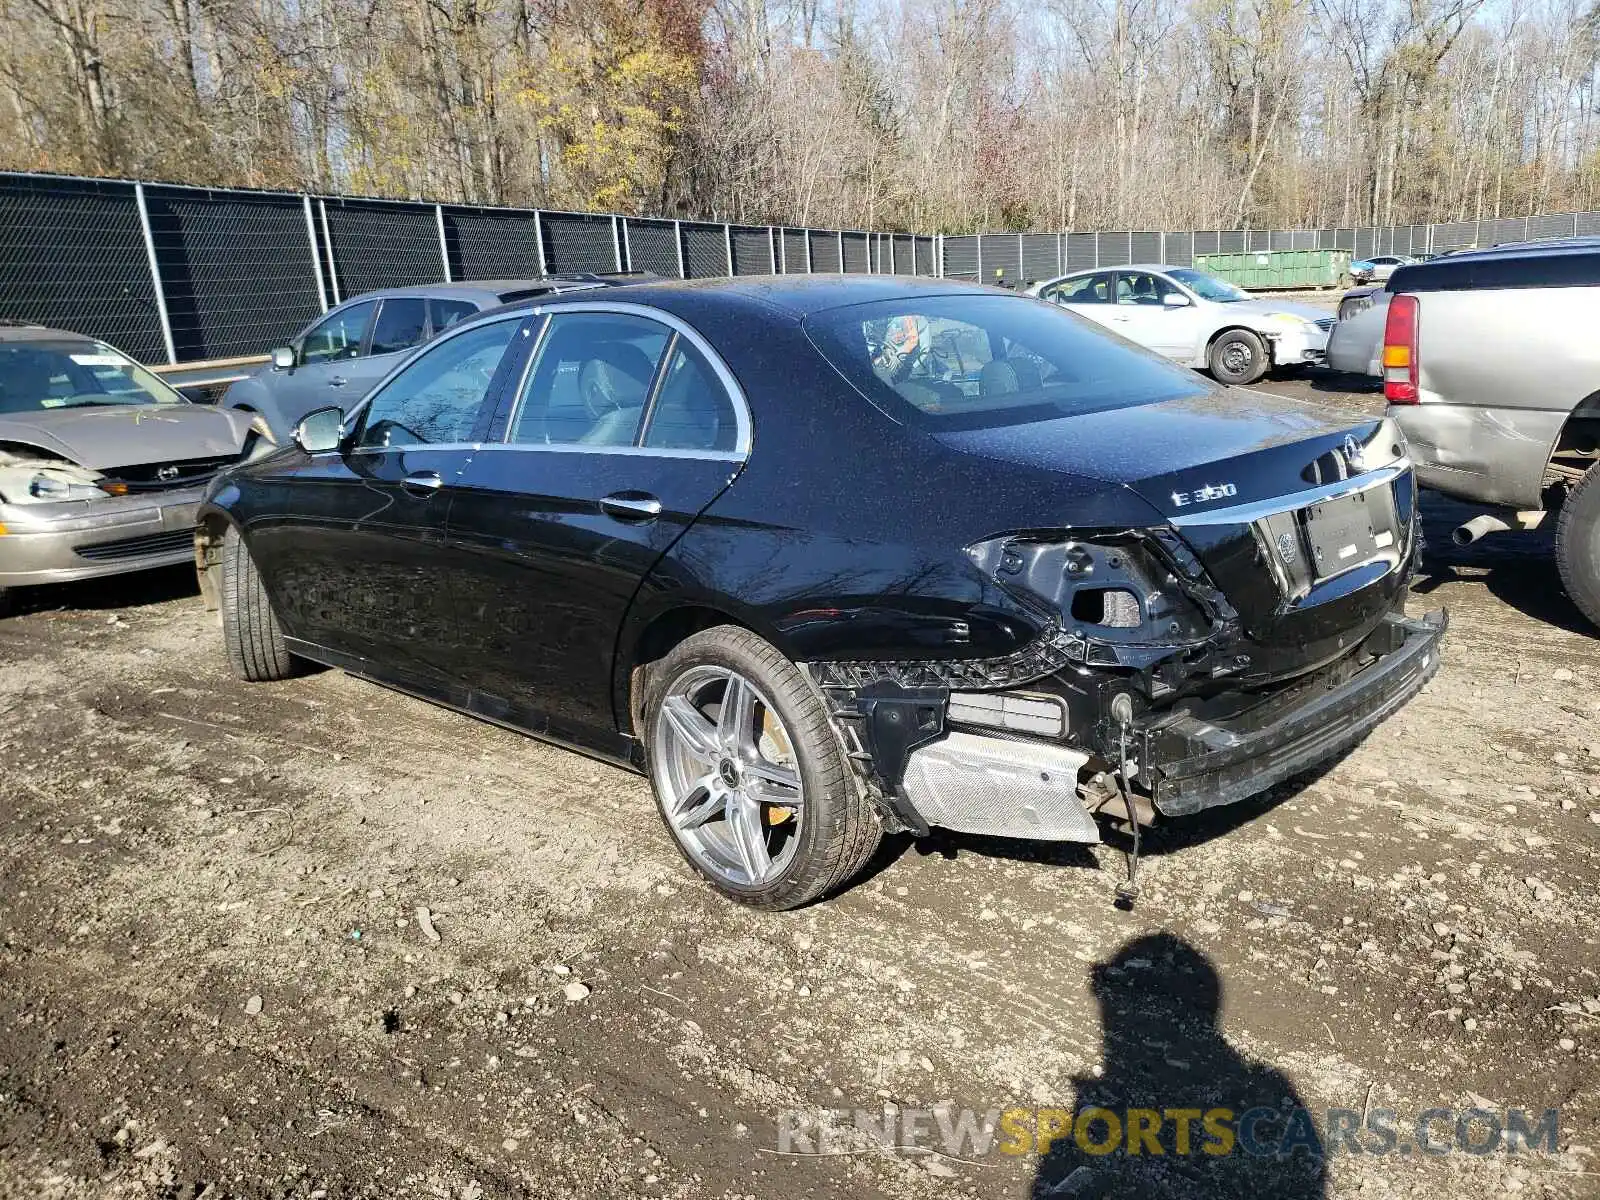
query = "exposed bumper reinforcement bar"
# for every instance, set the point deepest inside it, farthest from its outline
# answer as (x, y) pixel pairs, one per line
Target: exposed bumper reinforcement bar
(1198, 765)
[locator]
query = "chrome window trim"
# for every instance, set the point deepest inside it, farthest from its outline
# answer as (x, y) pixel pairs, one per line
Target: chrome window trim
(1246, 514)
(418, 448)
(635, 451)
(741, 406)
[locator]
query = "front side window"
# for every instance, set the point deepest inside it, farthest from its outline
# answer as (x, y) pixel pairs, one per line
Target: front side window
(437, 398)
(339, 336)
(590, 381)
(973, 362)
(401, 323)
(45, 375)
(1143, 287)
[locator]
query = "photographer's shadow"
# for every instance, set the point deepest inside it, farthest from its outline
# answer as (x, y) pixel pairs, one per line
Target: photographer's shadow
(1164, 1054)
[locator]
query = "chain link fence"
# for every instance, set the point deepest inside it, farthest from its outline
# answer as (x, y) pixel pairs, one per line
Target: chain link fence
(175, 274)
(1019, 259)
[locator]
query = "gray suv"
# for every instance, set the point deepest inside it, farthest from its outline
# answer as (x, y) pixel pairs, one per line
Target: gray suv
(339, 357)
(1490, 369)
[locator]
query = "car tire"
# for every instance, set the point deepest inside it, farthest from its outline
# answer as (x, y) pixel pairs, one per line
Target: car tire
(1238, 357)
(6, 595)
(1578, 545)
(256, 649)
(834, 830)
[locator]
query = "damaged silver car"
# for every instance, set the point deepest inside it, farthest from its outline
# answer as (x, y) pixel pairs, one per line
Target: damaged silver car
(102, 464)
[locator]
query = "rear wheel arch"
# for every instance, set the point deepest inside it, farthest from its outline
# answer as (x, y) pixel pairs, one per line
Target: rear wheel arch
(649, 645)
(1579, 438)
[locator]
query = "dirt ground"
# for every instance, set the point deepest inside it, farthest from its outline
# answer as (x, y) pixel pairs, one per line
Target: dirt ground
(214, 982)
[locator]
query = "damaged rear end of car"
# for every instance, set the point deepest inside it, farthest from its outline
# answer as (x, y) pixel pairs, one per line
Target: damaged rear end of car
(1245, 623)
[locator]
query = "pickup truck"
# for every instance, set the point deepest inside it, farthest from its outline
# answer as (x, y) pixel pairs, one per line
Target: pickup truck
(1491, 368)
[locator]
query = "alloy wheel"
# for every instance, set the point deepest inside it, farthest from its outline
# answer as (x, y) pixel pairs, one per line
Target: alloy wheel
(726, 772)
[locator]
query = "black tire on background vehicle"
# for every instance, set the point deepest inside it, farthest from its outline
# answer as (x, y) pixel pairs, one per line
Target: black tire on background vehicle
(1238, 357)
(256, 649)
(1578, 545)
(5, 601)
(831, 828)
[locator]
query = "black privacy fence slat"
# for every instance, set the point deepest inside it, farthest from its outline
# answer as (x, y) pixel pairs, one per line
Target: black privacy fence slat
(653, 247)
(1041, 255)
(857, 253)
(824, 251)
(382, 244)
(705, 250)
(578, 242)
(792, 256)
(205, 243)
(489, 243)
(753, 250)
(72, 256)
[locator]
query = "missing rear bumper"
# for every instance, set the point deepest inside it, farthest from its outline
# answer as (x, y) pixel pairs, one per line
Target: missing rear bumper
(924, 772)
(1192, 764)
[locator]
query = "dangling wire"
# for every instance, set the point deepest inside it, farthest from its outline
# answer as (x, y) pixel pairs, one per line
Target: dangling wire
(1128, 892)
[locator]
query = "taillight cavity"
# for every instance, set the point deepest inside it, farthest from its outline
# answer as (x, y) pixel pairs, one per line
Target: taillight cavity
(1400, 351)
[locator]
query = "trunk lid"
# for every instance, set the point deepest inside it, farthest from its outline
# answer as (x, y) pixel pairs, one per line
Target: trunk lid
(1221, 447)
(1300, 515)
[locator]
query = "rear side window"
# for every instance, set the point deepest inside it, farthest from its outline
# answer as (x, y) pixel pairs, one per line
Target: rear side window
(972, 362)
(693, 410)
(590, 382)
(401, 323)
(446, 313)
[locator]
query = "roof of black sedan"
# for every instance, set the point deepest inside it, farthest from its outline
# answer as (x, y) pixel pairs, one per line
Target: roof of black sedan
(796, 295)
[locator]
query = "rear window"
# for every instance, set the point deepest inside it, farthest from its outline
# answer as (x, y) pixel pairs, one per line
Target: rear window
(973, 362)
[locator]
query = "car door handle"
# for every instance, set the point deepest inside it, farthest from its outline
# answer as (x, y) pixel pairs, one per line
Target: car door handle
(423, 481)
(338, 381)
(631, 506)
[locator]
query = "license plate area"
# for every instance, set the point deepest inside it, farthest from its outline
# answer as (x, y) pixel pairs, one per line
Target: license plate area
(1346, 532)
(1354, 539)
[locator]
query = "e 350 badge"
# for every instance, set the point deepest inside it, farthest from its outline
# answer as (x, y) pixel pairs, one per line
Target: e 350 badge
(1203, 494)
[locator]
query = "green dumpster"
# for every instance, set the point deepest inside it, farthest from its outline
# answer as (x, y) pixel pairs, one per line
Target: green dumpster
(1280, 268)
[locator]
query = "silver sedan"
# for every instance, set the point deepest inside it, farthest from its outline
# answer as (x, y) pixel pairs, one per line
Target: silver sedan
(1195, 318)
(102, 465)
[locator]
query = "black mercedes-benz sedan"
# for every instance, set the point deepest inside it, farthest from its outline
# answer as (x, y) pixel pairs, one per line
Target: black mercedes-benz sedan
(830, 556)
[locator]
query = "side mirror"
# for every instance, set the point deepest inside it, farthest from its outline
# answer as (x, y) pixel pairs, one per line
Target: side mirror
(1175, 300)
(320, 431)
(282, 358)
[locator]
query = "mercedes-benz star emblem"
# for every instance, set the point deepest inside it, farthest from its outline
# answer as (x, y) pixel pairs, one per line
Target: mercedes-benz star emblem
(1352, 453)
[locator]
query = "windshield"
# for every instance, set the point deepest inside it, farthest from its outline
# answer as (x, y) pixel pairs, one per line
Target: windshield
(974, 362)
(1208, 287)
(46, 375)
